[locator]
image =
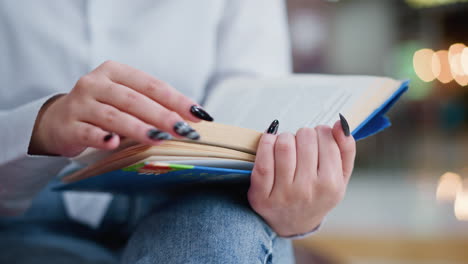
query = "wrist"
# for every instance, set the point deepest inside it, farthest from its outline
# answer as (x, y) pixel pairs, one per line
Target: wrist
(303, 235)
(38, 144)
(293, 230)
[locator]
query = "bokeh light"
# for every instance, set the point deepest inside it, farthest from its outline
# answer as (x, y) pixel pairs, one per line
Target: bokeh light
(431, 3)
(445, 74)
(449, 185)
(455, 64)
(464, 60)
(455, 60)
(461, 79)
(455, 49)
(435, 65)
(461, 202)
(443, 65)
(423, 63)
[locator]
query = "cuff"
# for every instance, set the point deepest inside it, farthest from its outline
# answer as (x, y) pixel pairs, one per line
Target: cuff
(22, 175)
(17, 125)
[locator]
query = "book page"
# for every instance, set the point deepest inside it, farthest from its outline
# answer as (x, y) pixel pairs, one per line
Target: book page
(215, 163)
(297, 100)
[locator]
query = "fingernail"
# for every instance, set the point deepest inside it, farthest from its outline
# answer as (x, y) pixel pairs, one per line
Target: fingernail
(273, 128)
(200, 113)
(183, 129)
(155, 134)
(344, 125)
(108, 137)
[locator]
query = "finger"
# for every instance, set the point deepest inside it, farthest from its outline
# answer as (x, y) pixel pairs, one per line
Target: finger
(329, 155)
(263, 173)
(91, 136)
(307, 155)
(138, 105)
(153, 88)
(347, 147)
(285, 162)
(110, 118)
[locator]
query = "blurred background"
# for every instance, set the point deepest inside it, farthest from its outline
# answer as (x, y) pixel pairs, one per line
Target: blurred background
(408, 199)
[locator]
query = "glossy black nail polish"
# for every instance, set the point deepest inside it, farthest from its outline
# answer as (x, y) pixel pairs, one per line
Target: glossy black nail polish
(183, 129)
(155, 134)
(108, 137)
(200, 113)
(273, 128)
(344, 125)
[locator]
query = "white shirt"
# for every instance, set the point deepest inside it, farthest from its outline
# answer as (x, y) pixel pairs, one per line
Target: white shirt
(46, 46)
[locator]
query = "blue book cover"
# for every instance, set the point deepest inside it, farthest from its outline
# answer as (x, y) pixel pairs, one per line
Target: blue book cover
(377, 121)
(151, 176)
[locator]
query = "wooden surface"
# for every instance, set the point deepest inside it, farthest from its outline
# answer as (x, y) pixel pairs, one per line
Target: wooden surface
(395, 249)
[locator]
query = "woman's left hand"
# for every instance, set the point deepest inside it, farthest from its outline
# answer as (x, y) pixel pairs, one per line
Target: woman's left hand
(298, 179)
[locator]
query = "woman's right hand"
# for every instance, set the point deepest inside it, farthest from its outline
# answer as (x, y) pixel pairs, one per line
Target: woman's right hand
(114, 98)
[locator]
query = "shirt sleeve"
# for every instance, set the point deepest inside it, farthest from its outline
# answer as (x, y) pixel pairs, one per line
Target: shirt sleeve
(253, 40)
(22, 175)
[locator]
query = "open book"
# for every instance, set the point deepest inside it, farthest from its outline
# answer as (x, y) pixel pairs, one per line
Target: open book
(243, 109)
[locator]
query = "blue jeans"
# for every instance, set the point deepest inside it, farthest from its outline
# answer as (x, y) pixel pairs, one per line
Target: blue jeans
(199, 225)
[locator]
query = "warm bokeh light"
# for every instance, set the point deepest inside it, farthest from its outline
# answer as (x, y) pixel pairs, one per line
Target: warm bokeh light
(461, 202)
(424, 61)
(445, 75)
(449, 184)
(454, 56)
(461, 79)
(435, 65)
(456, 65)
(461, 206)
(431, 3)
(455, 49)
(457, 58)
(445, 65)
(464, 60)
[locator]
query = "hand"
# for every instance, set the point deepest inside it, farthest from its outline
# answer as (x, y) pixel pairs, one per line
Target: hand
(113, 98)
(298, 179)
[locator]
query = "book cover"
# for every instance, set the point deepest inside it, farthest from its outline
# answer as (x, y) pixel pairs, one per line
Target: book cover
(377, 121)
(147, 176)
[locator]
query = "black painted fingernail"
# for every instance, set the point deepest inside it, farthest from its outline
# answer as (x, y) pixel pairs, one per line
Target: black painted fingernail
(108, 137)
(273, 128)
(344, 125)
(200, 113)
(155, 134)
(183, 129)
(193, 135)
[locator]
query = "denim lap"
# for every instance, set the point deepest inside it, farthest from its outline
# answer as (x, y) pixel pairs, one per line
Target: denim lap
(212, 225)
(206, 227)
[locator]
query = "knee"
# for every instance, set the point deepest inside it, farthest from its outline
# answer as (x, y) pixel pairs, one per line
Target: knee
(204, 229)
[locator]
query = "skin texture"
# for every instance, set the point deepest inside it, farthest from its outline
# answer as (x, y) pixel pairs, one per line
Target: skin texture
(101, 102)
(298, 179)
